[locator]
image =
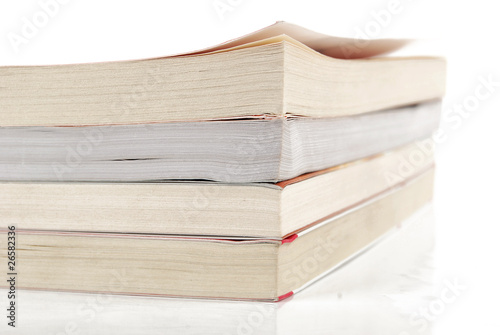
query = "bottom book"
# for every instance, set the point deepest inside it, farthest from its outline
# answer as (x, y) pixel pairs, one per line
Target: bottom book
(255, 269)
(386, 290)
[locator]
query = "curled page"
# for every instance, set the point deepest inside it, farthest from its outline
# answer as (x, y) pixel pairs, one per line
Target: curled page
(336, 47)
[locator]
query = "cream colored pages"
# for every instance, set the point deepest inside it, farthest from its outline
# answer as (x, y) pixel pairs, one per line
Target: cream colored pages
(280, 70)
(336, 47)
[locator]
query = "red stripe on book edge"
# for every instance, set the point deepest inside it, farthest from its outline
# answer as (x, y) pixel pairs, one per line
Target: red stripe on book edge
(284, 296)
(309, 175)
(397, 186)
(289, 239)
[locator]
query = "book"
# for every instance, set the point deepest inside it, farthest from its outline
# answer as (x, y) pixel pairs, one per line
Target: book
(383, 287)
(282, 70)
(261, 269)
(231, 151)
(250, 210)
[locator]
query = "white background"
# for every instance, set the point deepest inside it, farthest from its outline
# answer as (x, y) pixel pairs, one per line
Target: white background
(466, 33)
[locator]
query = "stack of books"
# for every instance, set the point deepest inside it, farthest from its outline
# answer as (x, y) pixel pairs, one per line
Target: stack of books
(243, 171)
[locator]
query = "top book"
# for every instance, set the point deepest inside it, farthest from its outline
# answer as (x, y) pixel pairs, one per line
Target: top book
(281, 70)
